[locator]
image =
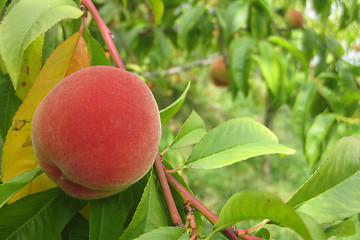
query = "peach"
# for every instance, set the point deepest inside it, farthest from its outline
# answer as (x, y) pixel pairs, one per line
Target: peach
(294, 18)
(219, 73)
(97, 132)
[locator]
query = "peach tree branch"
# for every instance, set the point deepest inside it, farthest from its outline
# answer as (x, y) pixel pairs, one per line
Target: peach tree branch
(105, 32)
(174, 214)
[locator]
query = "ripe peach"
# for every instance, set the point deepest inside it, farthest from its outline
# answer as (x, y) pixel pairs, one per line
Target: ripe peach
(97, 132)
(219, 73)
(294, 18)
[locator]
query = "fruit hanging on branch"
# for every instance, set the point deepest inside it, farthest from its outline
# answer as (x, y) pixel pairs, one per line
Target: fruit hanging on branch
(97, 132)
(294, 19)
(219, 73)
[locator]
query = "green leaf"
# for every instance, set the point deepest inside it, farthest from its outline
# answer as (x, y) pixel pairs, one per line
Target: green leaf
(343, 229)
(265, 5)
(162, 47)
(26, 21)
(316, 230)
(10, 6)
(171, 110)
(247, 205)
(105, 216)
(322, 7)
(188, 21)
(301, 108)
(282, 42)
(270, 66)
(157, 7)
(259, 22)
(236, 16)
(240, 62)
(332, 192)
(9, 105)
(96, 51)
(191, 131)
(77, 229)
(150, 213)
(38, 216)
(129, 199)
(2, 4)
(263, 233)
(173, 233)
(315, 136)
(309, 38)
(233, 141)
(334, 46)
(30, 66)
(12, 186)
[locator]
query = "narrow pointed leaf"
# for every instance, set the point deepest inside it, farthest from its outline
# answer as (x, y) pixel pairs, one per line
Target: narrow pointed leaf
(247, 205)
(150, 213)
(2, 4)
(105, 219)
(12, 186)
(188, 21)
(292, 49)
(234, 141)
(270, 67)
(27, 20)
(173, 233)
(315, 136)
(18, 154)
(170, 111)
(332, 192)
(240, 62)
(96, 51)
(191, 131)
(236, 16)
(157, 7)
(38, 216)
(76, 229)
(343, 229)
(301, 108)
(9, 105)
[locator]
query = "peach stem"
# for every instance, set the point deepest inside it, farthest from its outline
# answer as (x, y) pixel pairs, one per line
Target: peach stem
(174, 214)
(105, 32)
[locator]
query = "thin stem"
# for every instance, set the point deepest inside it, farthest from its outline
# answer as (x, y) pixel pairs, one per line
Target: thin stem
(259, 225)
(174, 170)
(83, 20)
(174, 214)
(163, 152)
(251, 237)
(105, 32)
(193, 201)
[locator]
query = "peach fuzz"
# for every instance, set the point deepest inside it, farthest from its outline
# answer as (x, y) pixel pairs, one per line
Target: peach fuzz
(97, 132)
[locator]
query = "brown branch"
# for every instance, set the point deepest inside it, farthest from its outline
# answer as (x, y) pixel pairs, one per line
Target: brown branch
(200, 62)
(174, 214)
(230, 232)
(189, 198)
(105, 32)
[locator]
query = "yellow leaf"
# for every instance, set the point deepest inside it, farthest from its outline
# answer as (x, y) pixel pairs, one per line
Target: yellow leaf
(18, 153)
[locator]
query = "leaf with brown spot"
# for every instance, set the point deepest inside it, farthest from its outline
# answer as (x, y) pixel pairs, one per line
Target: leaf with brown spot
(30, 67)
(18, 153)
